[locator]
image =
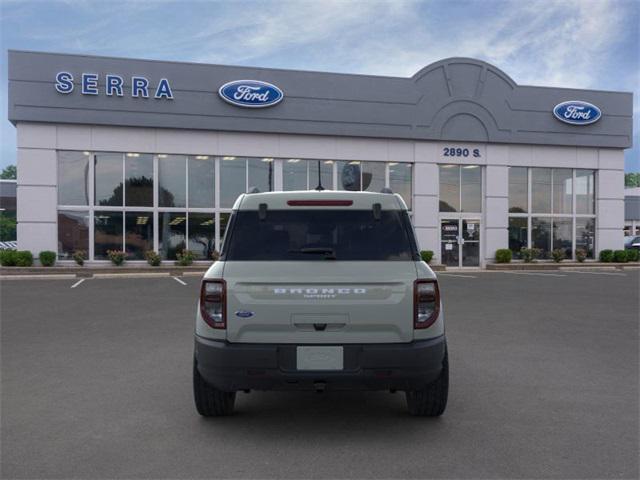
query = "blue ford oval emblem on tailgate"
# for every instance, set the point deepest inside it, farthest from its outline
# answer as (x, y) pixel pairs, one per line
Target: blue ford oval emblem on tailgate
(244, 314)
(250, 93)
(577, 112)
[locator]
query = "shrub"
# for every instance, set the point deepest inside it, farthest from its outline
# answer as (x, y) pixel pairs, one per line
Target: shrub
(633, 255)
(526, 254)
(117, 257)
(581, 254)
(8, 258)
(215, 255)
(185, 258)
(503, 255)
(79, 256)
(426, 255)
(558, 255)
(606, 256)
(620, 256)
(47, 258)
(24, 258)
(153, 258)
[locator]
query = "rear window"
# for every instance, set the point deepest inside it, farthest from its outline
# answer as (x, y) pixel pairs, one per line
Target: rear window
(319, 235)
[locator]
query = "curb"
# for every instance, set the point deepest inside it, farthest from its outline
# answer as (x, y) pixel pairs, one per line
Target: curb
(561, 266)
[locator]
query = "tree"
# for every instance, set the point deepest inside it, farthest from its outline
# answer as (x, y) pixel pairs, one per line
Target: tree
(9, 172)
(632, 180)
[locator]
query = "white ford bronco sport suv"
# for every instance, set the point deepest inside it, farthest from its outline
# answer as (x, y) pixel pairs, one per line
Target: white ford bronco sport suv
(320, 290)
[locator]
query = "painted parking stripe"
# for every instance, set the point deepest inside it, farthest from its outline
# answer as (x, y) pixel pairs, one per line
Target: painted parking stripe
(455, 275)
(537, 274)
(179, 281)
(599, 273)
(78, 283)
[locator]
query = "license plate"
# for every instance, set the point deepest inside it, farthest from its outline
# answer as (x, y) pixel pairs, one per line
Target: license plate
(320, 358)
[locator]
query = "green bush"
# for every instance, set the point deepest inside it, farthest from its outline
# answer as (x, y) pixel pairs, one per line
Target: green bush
(215, 255)
(8, 258)
(558, 255)
(117, 257)
(79, 256)
(581, 254)
(426, 255)
(503, 255)
(633, 255)
(153, 258)
(606, 256)
(528, 254)
(47, 258)
(620, 256)
(24, 258)
(185, 258)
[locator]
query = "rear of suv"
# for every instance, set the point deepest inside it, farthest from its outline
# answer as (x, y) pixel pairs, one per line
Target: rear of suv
(320, 290)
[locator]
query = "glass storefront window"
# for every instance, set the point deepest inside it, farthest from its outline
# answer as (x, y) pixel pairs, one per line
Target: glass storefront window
(541, 190)
(107, 233)
(541, 235)
(172, 231)
(294, 174)
(471, 188)
(373, 176)
(233, 180)
(172, 187)
(585, 235)
(562, 190)
(326, 173)
(224, 220)
(138, 173)
(562, 235)
(400, 180)
(202, 234)
(449, 188)
(585, 192)
(261, 173)
(73, 178)
(518, 190)
(138, 237)
(108, 179)
(73, 233)
(517, 235)
(202, 178)
(349, 175)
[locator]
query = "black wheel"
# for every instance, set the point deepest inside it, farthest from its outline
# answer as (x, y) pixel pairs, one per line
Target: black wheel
(432, 400)
(211, 402)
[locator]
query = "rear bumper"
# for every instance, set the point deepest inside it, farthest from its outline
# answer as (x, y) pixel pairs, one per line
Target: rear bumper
(402, 366)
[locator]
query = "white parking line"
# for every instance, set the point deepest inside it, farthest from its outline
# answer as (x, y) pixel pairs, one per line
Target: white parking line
(178, 280)
(78, 283)
(598, 273)
(455, 275)
(538, 274)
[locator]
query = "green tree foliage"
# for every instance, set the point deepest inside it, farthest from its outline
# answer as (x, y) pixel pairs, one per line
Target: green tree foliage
(9, 173)
(632, 179)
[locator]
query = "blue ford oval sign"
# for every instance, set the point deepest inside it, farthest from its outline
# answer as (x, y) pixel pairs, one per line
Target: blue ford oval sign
(577, 112)
(251, 93)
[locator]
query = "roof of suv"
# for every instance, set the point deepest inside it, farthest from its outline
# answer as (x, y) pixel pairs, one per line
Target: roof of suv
(329, 199)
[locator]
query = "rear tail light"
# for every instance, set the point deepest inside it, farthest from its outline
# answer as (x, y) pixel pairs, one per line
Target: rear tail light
(426, 303)
(213, 303)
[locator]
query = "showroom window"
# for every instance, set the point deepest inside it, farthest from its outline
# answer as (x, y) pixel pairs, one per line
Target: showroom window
(460, 188)
(551, 208)
(239, 174)
(300, 174)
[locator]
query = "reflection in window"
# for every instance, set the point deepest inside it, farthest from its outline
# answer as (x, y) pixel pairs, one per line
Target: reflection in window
(541, 235)
(73, 233)
(202, 234)
(138, 237)
(107, 233)
(471, 190)
(373, 176)
(233, 180)
(585, 235)
(326, 173)
(585, 192)
(400, 180)
(172, 228)
(562, 190)
(449, 188)
(138, 172)
(73, 178)
(261, 174)
(518, 190)
(562, 235)
(224, 220)
(517, 235)
(108, 179)
(171, 179)
(201, 181)
(349, 175)
(294, 174)
(541, 190)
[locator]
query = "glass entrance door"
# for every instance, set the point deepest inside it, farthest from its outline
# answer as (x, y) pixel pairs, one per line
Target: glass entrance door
(460, 242)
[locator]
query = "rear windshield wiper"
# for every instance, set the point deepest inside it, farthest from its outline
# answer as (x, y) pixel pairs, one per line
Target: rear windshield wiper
(329, 252)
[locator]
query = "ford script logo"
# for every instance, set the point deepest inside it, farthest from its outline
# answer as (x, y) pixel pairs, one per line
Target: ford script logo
(244, 314)
(576, 112)
(251, 93)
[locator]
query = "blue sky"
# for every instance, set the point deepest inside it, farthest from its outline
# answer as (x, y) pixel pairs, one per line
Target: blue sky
(568, 43)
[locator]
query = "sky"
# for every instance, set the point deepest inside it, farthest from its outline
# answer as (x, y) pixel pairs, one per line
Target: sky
(564, 43)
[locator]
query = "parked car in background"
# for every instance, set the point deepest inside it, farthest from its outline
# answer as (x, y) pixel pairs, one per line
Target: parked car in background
(632, 241)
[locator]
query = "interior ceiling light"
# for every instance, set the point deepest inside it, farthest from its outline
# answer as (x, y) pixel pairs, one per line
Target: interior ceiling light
(293, 160)
(202, 157)
(267, 159)
(228, 158)
(133, 154)
(162, 155)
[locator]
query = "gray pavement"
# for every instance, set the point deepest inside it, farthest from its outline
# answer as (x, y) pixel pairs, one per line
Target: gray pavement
(96, 383)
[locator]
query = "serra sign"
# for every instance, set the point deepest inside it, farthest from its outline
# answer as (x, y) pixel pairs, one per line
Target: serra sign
(113, 85)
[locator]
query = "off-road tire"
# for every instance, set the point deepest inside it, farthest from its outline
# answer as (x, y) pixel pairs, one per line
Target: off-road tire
(211, 402)
(432, 400)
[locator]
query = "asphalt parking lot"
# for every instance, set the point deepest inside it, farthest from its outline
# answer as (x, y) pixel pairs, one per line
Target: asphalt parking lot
(96, 383)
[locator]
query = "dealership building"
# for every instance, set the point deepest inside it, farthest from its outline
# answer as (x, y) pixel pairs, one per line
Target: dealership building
(138, 155)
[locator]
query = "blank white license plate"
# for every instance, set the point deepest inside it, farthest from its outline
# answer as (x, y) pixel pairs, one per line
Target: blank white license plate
(320, 358)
